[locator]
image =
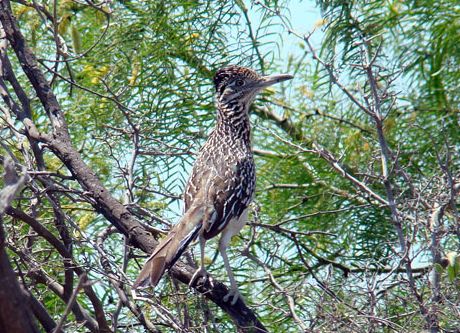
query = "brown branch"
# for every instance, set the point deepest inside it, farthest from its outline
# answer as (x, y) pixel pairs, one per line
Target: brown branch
(116, 213)
(69, 266)
(60, 142)
(39, 229)
(15, 314)
(375, 112)
(70, 304)
(117, 284)
(39, 311)
(81, 315)
(24, 111)
(334, 162)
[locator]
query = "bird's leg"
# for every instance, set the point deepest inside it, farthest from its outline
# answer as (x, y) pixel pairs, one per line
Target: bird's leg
(200, 272)
(233, 294)
(232, 229)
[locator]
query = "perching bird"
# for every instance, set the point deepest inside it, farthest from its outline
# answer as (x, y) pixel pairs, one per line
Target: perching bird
(222, 181)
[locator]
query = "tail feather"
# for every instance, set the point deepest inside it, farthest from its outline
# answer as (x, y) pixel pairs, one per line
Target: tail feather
(170, 249)
(158, 266)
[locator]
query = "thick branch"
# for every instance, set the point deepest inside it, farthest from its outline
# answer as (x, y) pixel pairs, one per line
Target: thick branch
(105, 203)
(40, 312)
(15, 314)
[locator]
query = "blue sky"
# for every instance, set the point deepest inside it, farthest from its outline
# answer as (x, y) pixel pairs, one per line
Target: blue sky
(303, 17)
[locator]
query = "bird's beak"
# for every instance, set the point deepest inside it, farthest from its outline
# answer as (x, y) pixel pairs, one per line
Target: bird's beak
(273, 79)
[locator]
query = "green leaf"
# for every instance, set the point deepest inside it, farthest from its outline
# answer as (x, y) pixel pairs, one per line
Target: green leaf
(451, 273)
(76, 39)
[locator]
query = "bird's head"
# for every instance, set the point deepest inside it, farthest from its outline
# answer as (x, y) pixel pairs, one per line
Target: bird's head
(239, 85)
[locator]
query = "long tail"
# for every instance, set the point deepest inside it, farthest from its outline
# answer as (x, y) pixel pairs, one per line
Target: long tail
(170, 249)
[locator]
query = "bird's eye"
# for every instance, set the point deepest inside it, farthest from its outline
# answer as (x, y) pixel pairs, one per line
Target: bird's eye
(239, 83)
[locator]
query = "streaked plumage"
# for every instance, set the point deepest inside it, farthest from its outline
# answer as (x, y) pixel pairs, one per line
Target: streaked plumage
(222, 181)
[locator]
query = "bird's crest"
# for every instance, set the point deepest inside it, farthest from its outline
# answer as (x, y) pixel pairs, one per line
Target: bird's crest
(224, 75)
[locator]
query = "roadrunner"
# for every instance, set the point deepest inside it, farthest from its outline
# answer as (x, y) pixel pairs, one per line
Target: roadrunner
(222, 181)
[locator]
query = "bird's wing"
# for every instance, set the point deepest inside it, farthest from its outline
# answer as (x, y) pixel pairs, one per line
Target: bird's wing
(227, 186)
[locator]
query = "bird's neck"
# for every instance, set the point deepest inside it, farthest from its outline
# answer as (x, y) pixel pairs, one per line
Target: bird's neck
(233, 121)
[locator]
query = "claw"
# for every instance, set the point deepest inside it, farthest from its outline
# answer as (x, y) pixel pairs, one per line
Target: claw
(234, 294)
(200, 273)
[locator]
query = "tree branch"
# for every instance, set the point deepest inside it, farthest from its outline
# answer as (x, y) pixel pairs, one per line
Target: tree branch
(15, 314)
(116, 213)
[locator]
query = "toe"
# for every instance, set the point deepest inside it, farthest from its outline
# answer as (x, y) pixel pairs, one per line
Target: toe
(232, 296)
(200, 273)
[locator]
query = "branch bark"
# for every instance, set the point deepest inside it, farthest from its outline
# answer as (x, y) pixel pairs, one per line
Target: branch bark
(60, 143)
(15, 313)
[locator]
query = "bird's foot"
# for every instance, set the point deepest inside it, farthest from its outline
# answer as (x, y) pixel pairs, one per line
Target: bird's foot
(233, 295)
(200, 273)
